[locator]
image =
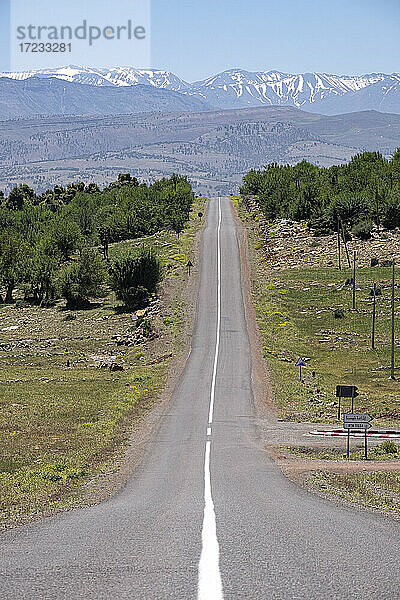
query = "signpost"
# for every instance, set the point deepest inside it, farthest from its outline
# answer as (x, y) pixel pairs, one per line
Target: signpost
(189, 266)
(373, 315)
(356, 425)
(357, 421)
(346, 391)
(300, 363)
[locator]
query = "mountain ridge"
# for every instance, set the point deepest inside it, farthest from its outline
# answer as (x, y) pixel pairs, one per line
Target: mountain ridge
(235, 88)
(38, 96)
(214, 148)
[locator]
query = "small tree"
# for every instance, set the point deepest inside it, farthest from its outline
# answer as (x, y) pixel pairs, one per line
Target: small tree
(134, 277)
(41, 267)
(18, 196)
(83, 279)
(65, 236)
(12, 257)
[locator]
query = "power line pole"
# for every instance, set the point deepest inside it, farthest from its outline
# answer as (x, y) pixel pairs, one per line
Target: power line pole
(373, 315)
(354, 279)
(345, 243)
(338, 241)
(392, 356)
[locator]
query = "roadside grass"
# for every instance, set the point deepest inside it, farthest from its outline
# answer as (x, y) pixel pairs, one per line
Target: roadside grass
(387, 450)
(377, 490)
(295, 314)
(63, 419)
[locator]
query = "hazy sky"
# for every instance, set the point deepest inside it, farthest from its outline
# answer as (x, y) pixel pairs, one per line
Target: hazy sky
(195, 39)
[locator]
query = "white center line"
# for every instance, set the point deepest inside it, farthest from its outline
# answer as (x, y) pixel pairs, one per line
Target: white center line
(214, 375)
(210, 584)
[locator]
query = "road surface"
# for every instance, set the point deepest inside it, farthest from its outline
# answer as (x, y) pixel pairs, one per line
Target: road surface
(207, 515)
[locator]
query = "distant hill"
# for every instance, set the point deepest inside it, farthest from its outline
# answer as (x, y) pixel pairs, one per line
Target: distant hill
(214, 148)
(43, 96)
(237, 88)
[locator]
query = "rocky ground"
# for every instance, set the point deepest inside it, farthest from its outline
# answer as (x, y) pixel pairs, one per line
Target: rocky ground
(291, 245)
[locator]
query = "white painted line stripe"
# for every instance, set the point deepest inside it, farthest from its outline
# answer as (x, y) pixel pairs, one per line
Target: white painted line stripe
(210, 584)
(214, 376)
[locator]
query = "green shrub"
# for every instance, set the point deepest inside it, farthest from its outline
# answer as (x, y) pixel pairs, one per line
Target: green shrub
(83, 279)
(388, 447)
(363, 230)
(60, 472)
(391, 215)
(21, 303)
(147, 328)
(350, 208)
(135, 277)
(321, 225)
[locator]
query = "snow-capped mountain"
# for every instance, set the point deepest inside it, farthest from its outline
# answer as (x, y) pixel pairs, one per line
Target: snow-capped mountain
(116, 76)
(237, 88)
(272, 87)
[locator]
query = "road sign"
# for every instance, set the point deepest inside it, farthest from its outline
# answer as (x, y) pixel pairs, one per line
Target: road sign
(357, 421)
(189, 266)
(346, 391)
(356, 418)
(356, 425)
(300, 363)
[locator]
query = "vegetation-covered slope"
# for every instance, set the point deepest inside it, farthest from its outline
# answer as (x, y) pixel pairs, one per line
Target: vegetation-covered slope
(366, 190)
(39, 235)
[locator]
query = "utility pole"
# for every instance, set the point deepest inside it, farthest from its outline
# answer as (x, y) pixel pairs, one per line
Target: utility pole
(354, 279)
(392, 356)
(345, 243)
(373, 315)
(338, 241)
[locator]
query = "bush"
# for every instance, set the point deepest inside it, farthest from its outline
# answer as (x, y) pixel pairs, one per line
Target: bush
(363, 230)
(391, 215)
(322, 224)
(388, 447)
(135, 277)
(83, 279)
(350, 208)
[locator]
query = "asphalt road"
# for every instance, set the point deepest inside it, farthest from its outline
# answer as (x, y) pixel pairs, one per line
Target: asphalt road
(207, 516)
